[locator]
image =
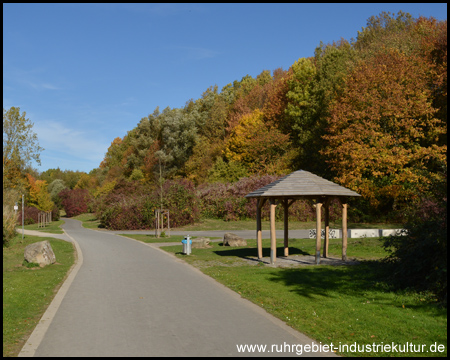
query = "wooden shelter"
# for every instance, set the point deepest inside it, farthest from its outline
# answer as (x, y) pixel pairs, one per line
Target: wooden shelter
(300, 185)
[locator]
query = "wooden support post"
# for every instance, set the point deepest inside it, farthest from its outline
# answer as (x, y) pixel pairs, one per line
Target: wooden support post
(258, 228)
(327, 227)
(286, 227)
(318, 231)
(344, 232)
(273, 235)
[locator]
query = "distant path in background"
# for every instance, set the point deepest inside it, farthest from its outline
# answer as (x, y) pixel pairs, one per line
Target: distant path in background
(245, 234)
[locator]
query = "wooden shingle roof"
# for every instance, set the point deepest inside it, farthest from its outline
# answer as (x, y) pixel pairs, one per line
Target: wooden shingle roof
(301, 183)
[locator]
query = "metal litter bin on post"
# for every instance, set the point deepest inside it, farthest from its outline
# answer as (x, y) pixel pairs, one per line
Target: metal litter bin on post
(187, 243)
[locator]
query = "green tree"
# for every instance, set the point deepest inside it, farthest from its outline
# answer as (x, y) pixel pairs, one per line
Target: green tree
(204, 154)
(302, 114)
(226, 172)
(385, 31)
(137, 174)
(114, 155)
(54, 188)
(20, 143)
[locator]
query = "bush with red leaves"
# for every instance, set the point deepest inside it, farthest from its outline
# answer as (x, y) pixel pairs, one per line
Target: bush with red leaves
(75, 202)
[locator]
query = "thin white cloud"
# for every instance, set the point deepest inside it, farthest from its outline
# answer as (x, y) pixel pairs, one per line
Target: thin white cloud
(39, 85)
(61, 141)
(31, 78)
(49, 86)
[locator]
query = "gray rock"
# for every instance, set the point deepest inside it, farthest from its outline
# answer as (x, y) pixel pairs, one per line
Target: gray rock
(233, 240)
(201, 243)
(40, 253)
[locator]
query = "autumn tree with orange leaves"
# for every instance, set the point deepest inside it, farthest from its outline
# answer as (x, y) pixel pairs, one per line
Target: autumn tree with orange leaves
(383, 138)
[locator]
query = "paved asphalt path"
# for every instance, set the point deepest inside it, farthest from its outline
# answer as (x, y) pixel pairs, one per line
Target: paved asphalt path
(132, 299)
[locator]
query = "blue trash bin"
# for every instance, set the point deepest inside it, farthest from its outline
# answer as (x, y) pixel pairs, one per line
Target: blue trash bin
(187, 245)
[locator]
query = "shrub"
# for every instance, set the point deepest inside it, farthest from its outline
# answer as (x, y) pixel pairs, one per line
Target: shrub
(123, 191)
(181, 200)
(419, 259)
(228, 202)
(9, 224)
(55, 213)
(123, 216)
(75, 202)
(10, 196)
(31, 215)
(131, 205)
(124, 205)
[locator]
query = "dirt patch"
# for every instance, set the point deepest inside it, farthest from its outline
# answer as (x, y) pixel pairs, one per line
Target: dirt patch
(291, 261)
(297, 261)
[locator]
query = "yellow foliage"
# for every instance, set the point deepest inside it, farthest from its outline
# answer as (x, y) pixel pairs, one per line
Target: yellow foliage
(242, 134)
(39, 196)
(107, 187)
(256, 144)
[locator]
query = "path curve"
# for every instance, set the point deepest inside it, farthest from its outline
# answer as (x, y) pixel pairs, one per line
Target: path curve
(131, 299)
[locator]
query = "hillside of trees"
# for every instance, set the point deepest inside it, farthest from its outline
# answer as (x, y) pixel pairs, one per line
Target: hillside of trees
(369, 114)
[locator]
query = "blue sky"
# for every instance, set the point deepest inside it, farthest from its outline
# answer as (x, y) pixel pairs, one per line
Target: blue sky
(87, 73)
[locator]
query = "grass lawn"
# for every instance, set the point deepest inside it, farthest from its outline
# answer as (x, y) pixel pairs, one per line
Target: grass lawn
(332, 304)
(52, 228)
(217, 224)
(91, 222)
(27, 292)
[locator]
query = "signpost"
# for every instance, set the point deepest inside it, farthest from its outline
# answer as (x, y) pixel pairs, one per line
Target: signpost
(23, 227)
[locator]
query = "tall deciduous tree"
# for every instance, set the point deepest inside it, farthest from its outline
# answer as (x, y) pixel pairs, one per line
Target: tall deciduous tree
(38, 194)
(302, 114)
(20, 143)
(113, 156)
(383, 136)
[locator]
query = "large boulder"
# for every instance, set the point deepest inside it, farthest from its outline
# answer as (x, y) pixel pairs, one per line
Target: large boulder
(201, 243)
(233, 240)
(40, 253)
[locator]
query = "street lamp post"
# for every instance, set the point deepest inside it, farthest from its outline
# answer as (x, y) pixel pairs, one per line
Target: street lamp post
(23, 228)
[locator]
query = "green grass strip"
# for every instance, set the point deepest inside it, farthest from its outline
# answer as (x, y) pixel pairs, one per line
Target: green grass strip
(343, 305)
(27, 292)
(52, 228)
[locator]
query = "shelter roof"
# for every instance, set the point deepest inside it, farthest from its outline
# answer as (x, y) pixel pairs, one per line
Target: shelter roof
(301, 183)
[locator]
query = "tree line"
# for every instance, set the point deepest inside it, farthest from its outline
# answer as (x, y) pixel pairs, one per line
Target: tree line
(369, 114)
